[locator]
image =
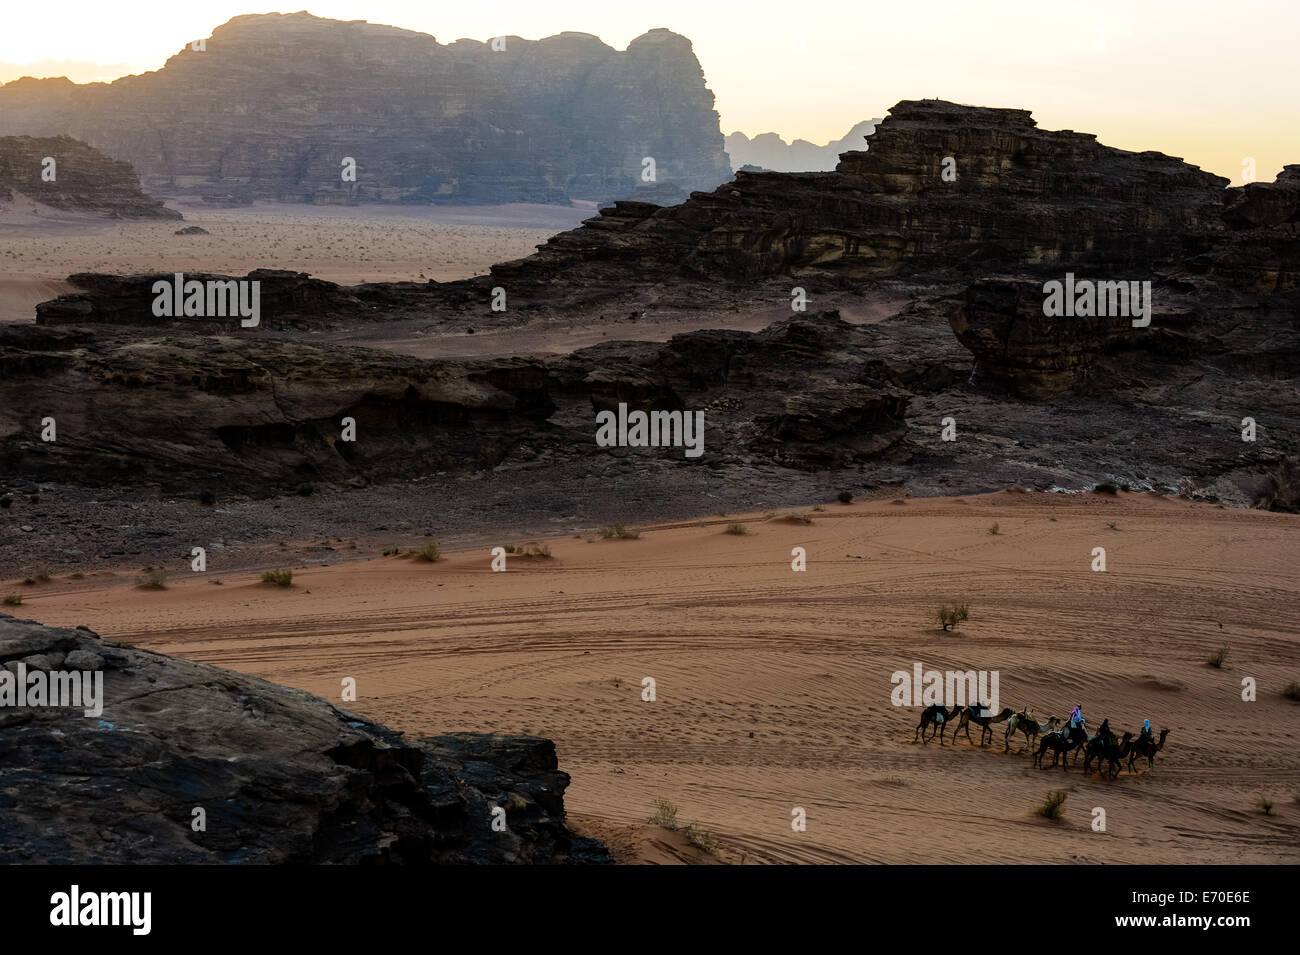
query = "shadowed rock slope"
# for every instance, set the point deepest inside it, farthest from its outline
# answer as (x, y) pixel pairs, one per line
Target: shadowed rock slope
(84, 179)
(282, 776)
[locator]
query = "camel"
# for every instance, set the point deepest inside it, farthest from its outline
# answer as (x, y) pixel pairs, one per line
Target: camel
(1028, 724)
(1093, 738)
(1060, 742)
(1093, 747)
(1146, 746)
(939, 718)
(1097, 747)
(1112, 753)
(972, 714)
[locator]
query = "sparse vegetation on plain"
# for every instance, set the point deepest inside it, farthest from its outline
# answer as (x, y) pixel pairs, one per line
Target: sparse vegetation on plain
(152, 578)
(665, 814)
(949, 615)
(1051, 807)
(619, 531)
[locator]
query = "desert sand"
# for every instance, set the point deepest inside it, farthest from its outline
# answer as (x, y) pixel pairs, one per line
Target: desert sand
(40, 246)
(773, 686)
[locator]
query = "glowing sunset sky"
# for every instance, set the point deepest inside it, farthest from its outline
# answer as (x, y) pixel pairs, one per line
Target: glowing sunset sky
(1211, 82)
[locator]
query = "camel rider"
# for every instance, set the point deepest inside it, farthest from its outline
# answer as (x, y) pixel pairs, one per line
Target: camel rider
(1146, 730)
(1103, 732)
(1076, 718)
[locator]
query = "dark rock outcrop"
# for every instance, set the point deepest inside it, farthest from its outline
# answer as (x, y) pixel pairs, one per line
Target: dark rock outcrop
(1002, 323)
(269, 413)
(804, 393)
(1022, 197)
(285, 298)
(275, 103)
(85, 180)
(281, 776)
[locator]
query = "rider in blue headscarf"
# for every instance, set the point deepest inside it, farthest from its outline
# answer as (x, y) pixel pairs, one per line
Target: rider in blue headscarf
(1076, 717)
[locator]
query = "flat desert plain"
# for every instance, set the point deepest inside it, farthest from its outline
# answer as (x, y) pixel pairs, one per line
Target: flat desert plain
(773, 686)
(41, 246)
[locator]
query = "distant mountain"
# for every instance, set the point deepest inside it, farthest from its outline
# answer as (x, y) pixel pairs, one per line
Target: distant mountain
(770, 151)
(274, 105)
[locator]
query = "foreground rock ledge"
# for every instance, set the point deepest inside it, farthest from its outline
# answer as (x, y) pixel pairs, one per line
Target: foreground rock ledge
(283, 776)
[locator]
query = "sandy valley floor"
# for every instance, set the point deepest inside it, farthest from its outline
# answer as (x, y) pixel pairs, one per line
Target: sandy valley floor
(773, 687)
(40, 246)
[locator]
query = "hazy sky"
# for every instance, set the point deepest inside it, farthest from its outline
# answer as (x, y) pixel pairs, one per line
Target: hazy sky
(1211, 82)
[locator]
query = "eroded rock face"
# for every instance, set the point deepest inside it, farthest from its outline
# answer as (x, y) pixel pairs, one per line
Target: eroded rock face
(276, 102)
(1021, 197)
(84, 179)
(281, 776)
(804, 393)
(265, 414)
(1032, 355)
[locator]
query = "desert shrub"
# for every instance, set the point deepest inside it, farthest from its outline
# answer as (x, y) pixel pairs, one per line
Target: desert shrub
(428, 552)
(1051, 807)
(665, 814)
(701, 839)
(282, 577)
(153, 578)
(1186, 489)
(13, 600)
(1292, 691)
(306, 490)
(529, 550)
(949, 615)
(1218, 657)
(737, 529)
(43, 574)
(207, 498)
(1106, 487)
(844, 497)
(6, 501)
(995, 529)
(620, 531)
(1265, 805)
(801, 518)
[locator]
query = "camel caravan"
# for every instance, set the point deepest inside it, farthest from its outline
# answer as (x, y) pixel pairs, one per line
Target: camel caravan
(1103, 747)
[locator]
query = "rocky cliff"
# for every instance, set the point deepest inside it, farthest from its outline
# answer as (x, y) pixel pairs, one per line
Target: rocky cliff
(1019, 196)
(273, 104)
(280, 776)
(66, 174)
